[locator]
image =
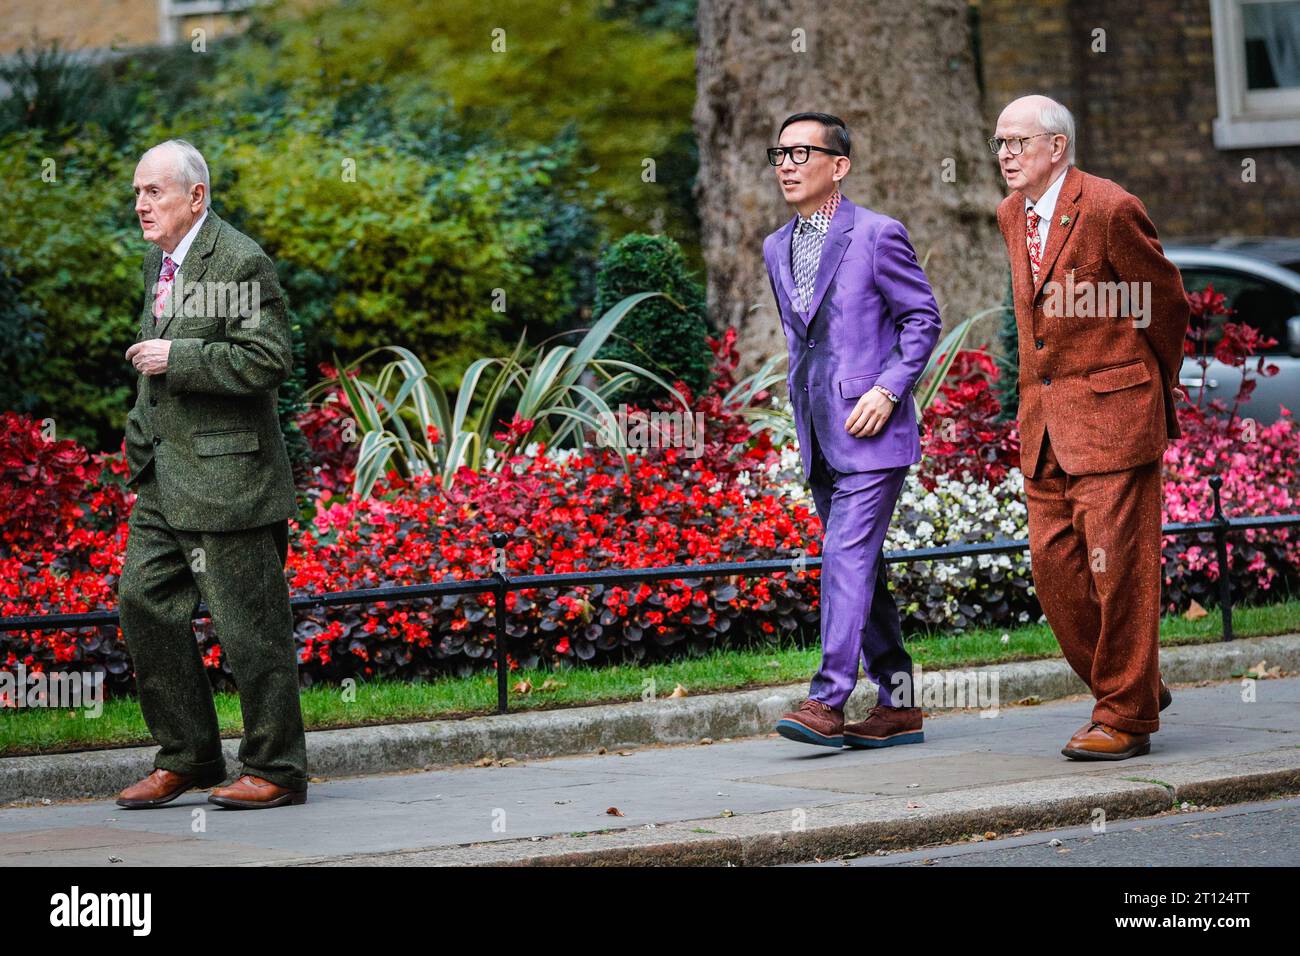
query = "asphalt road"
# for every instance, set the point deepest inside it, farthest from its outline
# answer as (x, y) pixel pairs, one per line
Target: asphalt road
(1248, 834)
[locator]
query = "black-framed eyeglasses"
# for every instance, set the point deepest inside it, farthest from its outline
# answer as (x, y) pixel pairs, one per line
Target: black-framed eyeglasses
(798, 154)
(1015, 145)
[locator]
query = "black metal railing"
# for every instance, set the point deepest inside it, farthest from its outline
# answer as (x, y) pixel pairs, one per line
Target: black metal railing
(501, 583)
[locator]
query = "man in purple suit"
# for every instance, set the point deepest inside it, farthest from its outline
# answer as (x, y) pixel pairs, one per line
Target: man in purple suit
(860, 322)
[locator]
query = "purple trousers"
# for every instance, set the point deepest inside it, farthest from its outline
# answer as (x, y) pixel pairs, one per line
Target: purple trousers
(859, 618)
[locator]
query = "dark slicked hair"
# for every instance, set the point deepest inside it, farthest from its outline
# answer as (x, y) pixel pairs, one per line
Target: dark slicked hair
(837, 134)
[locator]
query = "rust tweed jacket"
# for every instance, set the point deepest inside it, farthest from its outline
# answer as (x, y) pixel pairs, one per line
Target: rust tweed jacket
(1096, 372)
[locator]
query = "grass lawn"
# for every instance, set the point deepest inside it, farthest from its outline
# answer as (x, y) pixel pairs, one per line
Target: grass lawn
(41, 730)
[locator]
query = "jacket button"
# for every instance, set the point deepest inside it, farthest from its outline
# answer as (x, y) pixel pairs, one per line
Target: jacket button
(1038, 343)
(1047, 380)
(812, 342)
(805, 388)
(157, 440)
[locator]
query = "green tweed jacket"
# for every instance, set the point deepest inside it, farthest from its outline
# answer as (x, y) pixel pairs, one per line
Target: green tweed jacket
(209, 424)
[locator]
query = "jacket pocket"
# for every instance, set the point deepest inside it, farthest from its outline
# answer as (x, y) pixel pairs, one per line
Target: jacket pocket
(854, 387)
(1115, 377)
(194, 327)
(1088, 271)
(225, 443)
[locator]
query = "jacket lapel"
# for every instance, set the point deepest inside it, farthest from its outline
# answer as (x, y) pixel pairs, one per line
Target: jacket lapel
(152, 266)
(783, 253)
(193, 268)
(1022, 276)
(1064, 217)
(838, 237)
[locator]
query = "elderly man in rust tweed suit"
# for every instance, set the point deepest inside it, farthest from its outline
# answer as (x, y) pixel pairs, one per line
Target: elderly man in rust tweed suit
(1097, 392)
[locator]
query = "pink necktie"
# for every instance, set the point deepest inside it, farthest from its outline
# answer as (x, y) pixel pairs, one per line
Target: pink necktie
(164, 287)
(1035, 243)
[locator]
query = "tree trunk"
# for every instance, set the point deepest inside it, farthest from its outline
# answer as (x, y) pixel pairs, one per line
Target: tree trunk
(902, 76)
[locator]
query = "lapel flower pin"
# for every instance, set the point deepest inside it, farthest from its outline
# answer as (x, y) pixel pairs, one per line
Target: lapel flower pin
(1065, 220)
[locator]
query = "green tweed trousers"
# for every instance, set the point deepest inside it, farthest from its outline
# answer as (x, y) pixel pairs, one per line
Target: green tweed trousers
(240, 575)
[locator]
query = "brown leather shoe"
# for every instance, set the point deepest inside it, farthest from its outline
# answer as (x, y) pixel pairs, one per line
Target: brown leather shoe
(1102, 742)
(1166, 698)
(813, 723)
(885, 727)
(254, 793)
(160, 787)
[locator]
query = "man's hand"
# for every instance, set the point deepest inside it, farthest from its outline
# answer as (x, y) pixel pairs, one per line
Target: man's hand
(1180, 394)
(870, 414)
(150, 356)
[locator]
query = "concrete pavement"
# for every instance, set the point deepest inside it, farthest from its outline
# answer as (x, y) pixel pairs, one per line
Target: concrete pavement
(434, 744)
(746, 801)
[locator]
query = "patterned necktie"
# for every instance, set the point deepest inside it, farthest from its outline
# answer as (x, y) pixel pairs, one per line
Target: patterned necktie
(163, 287)
(1035, 243)
(807, 256)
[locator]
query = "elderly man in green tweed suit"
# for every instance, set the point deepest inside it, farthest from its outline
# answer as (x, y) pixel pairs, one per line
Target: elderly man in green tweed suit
(214, 494)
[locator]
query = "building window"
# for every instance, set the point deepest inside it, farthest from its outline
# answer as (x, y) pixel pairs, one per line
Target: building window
(174, 14)
(1257, 72)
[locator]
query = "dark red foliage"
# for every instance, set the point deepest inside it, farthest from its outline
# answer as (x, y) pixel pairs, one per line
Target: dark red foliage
(962, 428)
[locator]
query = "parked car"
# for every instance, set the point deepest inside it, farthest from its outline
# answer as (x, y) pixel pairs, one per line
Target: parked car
(1261, 280)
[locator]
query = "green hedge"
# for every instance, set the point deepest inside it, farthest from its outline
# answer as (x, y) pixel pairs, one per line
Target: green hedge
(667, 337)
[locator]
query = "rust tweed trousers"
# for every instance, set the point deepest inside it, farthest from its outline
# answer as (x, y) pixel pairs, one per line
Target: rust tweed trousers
(1094, 543)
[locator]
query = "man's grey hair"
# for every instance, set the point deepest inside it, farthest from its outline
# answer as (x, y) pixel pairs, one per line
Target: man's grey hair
(191, 167)
(1055, 118)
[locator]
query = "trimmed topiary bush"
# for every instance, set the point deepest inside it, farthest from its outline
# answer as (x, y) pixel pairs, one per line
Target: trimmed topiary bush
(667, 337)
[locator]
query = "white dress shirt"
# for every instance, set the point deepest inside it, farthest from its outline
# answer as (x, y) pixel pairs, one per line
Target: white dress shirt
(1045, 206)
(177, 255)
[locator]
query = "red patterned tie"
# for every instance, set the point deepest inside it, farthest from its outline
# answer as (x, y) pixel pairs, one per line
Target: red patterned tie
(163, 288)
(1034, 242)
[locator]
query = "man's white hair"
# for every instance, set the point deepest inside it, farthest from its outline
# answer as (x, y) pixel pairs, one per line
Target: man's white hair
(1055, 118)
(191, 167)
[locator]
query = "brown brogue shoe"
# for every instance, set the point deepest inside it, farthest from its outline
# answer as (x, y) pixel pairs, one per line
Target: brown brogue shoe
(885, 727)
(254, 793)
(1103, 742)
(813, 723)
(159, 788)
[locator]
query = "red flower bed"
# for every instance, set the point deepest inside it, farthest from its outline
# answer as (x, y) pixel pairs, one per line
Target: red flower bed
(64, 533)
(580, 514)
(963, 433)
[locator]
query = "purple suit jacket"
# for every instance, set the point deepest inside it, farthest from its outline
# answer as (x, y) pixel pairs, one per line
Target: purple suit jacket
(872, 319)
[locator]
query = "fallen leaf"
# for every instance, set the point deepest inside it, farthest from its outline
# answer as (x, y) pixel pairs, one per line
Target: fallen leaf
(1195, 612)
(728, 813)
(678, 691)
(552, 684)
(1031, 701)
(505, 761)
(705, 741)
(484, 762)
(990, 835)
(614, 812)
(523, 687)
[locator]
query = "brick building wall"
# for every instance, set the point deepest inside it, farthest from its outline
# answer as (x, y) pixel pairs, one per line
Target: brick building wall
(1144, 108)
(99, 24)
(85, 23)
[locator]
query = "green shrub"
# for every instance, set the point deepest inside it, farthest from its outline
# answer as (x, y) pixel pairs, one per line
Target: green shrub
(668, 337)
(625, 88)
(74, 253)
